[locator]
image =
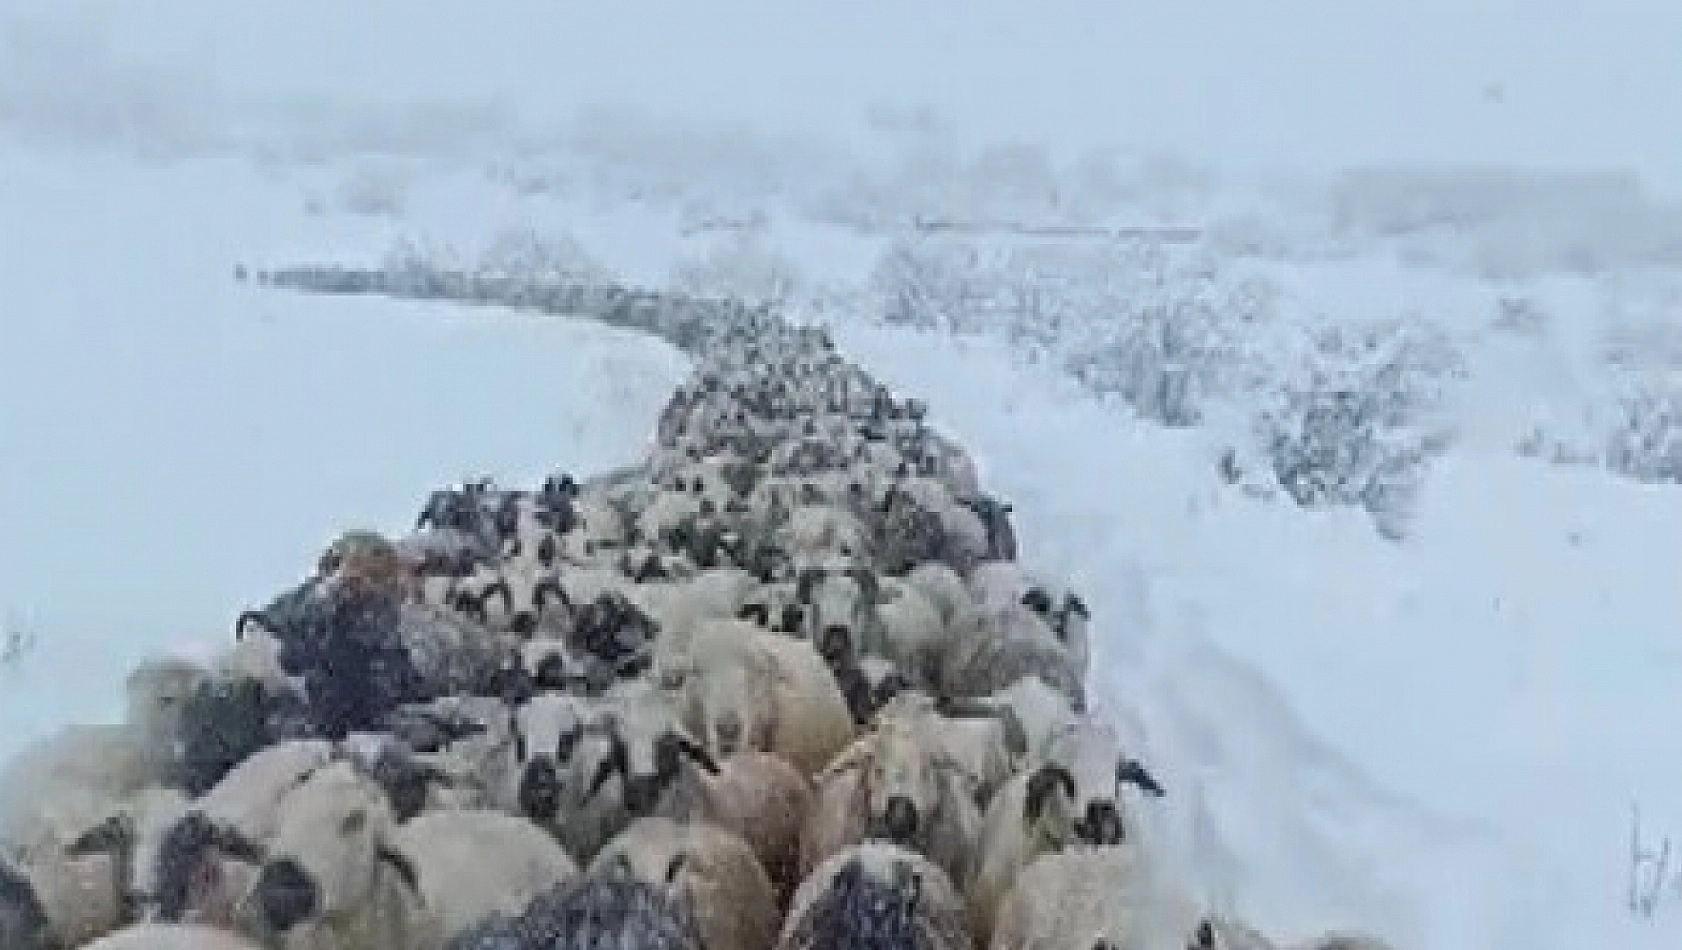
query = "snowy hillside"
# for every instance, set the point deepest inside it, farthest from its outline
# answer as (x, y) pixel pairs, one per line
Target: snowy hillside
(1424, 703)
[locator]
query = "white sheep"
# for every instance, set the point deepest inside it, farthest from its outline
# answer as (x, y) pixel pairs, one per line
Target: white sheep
(1073, 796)
(1007, 586)
(560, 751)
(248, 798)
(333, 879)
(875, 896)
(706, 868)
(988, 750)
(895, 783)
(473, 863)
(741, 687)
(1038, 710)
(1086, 898)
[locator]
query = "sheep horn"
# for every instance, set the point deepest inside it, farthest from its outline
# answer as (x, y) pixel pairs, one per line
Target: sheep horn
(246, 619)
(399, 862)
(546, 587)
(616, 761)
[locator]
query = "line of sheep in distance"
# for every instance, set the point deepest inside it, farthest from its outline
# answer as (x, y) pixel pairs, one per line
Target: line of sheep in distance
(781, 685)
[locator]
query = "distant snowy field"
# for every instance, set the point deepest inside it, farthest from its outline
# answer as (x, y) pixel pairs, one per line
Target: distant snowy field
(1439, 738)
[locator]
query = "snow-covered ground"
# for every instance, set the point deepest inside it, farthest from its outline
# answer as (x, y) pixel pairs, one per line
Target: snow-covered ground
(1439, 738)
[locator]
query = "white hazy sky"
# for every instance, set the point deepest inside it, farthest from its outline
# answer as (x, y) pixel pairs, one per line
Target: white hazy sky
(1546, 82)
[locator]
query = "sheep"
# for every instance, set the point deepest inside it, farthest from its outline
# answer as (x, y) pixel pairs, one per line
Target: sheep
(171, 937)
(1104, 897)
(1005, 586)
(987, 749)
(711, 871)
(945, 588)
(605, 913)
(894, 784)
(472, 863)
(741, 687)
(560, 751)
(823, 528)
(994, 649)
(875, 896)
(333, 880)
(1071, 797)
(24, 923)
(868, 683)
(69, 780)
(1037, 710)
(248, 798)
(755, 795)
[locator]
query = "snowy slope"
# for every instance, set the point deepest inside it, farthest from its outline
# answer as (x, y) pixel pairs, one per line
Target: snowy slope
(177, 447)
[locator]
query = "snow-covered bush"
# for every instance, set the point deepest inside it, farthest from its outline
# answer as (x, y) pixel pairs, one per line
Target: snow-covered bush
(1129, 319)
(741, 265)
(1361, 419)
(1646, 444)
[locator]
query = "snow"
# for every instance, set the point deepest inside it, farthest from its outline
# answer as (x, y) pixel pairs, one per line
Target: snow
(1439, 739)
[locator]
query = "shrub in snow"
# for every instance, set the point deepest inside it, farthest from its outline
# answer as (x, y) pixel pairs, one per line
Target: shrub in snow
(1646, 444)
(1359, 422)
(1127, 318)
(739, 266)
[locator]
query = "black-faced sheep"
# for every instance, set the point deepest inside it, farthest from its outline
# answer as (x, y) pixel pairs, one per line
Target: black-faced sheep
(875, 896)
(894, 784)
(1071, 797)
(710, 871)
(333, 880)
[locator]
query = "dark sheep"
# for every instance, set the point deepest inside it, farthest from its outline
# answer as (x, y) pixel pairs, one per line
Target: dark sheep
(186, 860)
(225, 721)
(879, 898)
(608, 914)
(356, 671)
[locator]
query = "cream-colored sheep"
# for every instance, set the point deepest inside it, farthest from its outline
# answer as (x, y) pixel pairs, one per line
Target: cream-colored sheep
(743, 688)
(1084, 898)
(707, 868)
(894, 783)
(472, 863)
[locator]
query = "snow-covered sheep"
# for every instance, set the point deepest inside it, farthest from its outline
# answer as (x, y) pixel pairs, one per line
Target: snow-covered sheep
(988, 750)
(895, 784)
(1038, 710)
(1071, 797)
(171, 937)
(743, 688)
(473, 863)
(711, 871)
(993, 649)
(755, 795)
(875, 896)
(561, 752)
(333, 880)
(1106, 897)
(1006, 586)
(598, 913)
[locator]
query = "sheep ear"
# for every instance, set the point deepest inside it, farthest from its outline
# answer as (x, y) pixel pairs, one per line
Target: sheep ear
(1042, 784)
(697, 752)
(400, 863)
(112, 835)
(675, 867)
(231, 840)
(1131, 771)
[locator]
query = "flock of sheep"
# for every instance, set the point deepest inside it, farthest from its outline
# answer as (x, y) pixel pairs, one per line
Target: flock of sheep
(783, 685)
